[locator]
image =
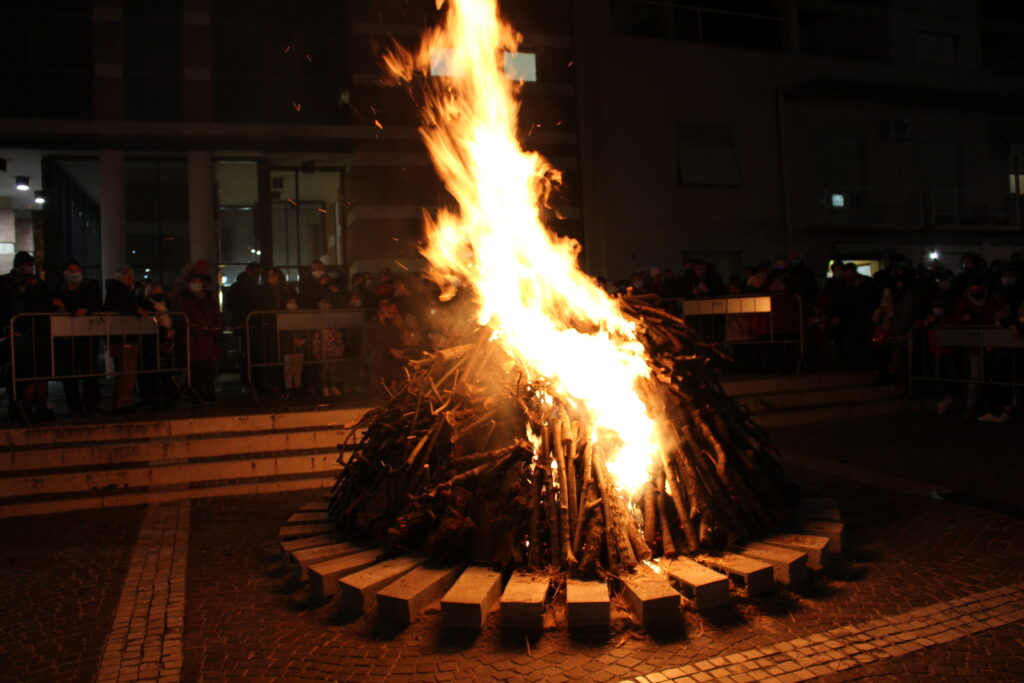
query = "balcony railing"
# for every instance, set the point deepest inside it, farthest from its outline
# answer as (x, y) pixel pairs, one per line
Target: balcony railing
(911, 208)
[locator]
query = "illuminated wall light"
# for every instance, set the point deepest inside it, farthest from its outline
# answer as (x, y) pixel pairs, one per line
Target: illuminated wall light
(838, 201)
(934, 256)
(40, 199)
(21, 183)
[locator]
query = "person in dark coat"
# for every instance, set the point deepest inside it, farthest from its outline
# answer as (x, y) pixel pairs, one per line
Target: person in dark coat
(24, 264)
(205, 326)
(311, 288)
(382, 341)
(31, 339)
(266, 348)
(241, 299)
(124, 349)
(77, 355)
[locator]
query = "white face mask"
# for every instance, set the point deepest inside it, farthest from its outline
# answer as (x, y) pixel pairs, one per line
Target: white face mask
(318, 274)
(196, 287)
(73, 278)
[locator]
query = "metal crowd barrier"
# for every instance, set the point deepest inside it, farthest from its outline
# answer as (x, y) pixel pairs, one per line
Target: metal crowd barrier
(268, 334)
(744, 319)
(975, 355)
(63, 346)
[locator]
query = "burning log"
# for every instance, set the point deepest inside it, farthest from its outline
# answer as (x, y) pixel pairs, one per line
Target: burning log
(445, 469)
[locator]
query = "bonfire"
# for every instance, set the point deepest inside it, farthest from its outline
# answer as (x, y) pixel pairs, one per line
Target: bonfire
(570, 429)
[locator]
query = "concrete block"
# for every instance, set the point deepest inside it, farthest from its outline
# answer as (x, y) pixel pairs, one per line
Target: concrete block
(315, 506)
(523, 602)
(831, 530)
(753, 575)
(299, 530)
(401, 602)
(815, 547)
(360, 589)
(467, 603)
(704, 587)
(587, 606)
(654, 601)
(323, 576)
(307, 517)
(321, 553)
(789, 566)
(820, 508)
(290, 546)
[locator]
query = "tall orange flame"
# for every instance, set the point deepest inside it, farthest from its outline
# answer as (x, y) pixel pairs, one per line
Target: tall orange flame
(544, 310)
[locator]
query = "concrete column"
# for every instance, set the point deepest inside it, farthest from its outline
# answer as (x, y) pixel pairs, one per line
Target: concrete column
(202, 231)
(113, 242)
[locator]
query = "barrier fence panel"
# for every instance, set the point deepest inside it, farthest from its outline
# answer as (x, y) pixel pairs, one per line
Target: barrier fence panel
(948, 357)
(776, 318)
(66, 347)
(329, 341)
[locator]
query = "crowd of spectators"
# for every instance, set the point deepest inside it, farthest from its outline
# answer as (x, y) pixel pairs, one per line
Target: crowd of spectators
(858, 322)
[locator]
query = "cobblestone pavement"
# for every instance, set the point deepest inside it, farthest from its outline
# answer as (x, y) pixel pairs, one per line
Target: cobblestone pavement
(246, 620)
(60, 580)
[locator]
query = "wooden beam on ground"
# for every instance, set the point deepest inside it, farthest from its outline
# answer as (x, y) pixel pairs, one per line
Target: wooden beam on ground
(315, 506)
(401, 602)
(753, 575)
(307, 517)
(704, 587)
(360, 589)
(323, 576)
(831, 530)
(816, 547)
(654, 601)
(820, 508)
(321, 553)
(587, 606)
(789, 566)
(523, 602)
(467, 603)
(288, 547)
(289, 531)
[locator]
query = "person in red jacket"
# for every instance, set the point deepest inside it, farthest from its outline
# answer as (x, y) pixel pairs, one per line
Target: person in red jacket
(205, 326)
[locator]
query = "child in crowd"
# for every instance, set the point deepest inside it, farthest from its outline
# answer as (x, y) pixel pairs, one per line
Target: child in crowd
(293, 347)
(328, 349)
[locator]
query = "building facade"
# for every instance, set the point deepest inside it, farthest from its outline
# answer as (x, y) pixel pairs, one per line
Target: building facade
(167, 131)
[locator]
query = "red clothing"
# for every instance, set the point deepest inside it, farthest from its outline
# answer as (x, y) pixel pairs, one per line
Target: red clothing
(205, 323)
(969, 312)
(328, 345)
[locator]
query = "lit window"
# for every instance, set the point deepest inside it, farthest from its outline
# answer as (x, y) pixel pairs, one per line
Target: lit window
(519, 66)
(838, 200)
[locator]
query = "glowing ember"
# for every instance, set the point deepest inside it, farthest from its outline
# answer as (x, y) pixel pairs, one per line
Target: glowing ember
(544, 310)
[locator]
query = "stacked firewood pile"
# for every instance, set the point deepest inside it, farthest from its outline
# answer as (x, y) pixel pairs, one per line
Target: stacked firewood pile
(472, 461)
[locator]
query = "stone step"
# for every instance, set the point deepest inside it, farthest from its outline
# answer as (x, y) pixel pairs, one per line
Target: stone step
(469, 600)
(315, 506)
(833, 531)
(290, 531)
(755, 576)
(321, 553)
(303, 542)
(47, 435)
(789, 566)
(186, 472)
(815, 547)
(165, 451)
(402, 601)
(812, 398)
(833, 413)
(820, 508)
(113, 497)
(587, 606)
(323, 576)
(523, 602)
(360, 589)
(787, 383)
(653, 600)
(704, 587)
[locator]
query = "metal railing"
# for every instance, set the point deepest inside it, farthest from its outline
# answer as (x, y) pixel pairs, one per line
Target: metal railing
(63, 346)
(270, 336)
(976, 355)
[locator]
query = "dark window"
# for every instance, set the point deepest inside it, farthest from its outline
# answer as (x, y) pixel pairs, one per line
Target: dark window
(153, 60)
(833, 34)
(1002, 51)
(935, 48)
(741, 23)
(46, 60)
(156, 217)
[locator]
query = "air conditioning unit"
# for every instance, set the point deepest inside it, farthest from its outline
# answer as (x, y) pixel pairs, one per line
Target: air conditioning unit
(899, 129)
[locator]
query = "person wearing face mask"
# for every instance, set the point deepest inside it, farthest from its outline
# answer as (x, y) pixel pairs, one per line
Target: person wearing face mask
(265, 344)
(1011, 290)
(328, 349)
(310, 288)
(79, 297)
(205, 328)
(124, 349)
(976, 307)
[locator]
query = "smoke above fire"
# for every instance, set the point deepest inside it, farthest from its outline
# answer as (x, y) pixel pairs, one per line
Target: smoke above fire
(545, 312)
